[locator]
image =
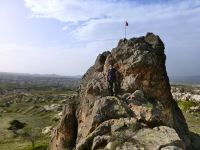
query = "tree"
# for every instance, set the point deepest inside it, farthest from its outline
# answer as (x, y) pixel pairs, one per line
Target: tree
(31, 134)
(15, 125)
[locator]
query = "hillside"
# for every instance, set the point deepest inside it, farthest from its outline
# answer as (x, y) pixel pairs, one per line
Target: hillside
(20, 81)
(33, 101)
(38, 109)
(144, 114)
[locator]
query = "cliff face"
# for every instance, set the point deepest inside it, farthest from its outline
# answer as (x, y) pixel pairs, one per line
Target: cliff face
(143, 105)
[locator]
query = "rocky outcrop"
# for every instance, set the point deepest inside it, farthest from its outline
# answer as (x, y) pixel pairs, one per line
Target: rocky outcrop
(143, 115)
(52, 107)
(188, 93)
(65, 133)
(128, 134)
(186, 96)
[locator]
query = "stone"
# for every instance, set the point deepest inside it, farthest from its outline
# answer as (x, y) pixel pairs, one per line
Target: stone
(52, 107)
(194, 109)
(171, 148)
(138, 94)
(99, 141)
(189, 96)
(57, 116)
(106, 108)
(64, 135)
(128, 83)
(142, 115)
(159, 137)
(99, 63)
(47, 130)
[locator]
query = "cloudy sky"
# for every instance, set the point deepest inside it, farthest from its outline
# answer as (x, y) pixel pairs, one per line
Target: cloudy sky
(65, 36)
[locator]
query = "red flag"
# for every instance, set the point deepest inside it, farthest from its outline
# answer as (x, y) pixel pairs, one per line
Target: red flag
(126, 23)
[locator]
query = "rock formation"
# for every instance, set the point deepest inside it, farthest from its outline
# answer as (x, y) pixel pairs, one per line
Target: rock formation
(143, 115)
(65, 133)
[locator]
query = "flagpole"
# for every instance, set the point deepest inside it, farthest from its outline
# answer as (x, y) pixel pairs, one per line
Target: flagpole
(126, 25)
(125, 31)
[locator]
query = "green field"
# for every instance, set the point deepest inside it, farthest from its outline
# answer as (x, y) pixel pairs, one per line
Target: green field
(28, 107)
(193, 122)
(8, 140)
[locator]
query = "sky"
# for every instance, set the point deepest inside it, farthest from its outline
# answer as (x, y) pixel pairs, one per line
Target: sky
(65, 36)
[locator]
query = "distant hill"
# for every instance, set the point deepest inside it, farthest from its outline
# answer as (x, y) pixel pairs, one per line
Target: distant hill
(2, 74)
(59, 80)
(25, 80)
(185, 79)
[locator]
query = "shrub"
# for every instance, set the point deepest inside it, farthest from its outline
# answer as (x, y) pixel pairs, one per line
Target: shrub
(37, 147)
(16, 124)
(185, 105)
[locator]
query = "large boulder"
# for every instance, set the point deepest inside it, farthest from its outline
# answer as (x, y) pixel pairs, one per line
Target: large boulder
(128, 134)
(143, 106)
(64, 135)
(140, 63)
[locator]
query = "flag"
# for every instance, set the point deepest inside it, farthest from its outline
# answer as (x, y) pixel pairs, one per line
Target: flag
(126, 23)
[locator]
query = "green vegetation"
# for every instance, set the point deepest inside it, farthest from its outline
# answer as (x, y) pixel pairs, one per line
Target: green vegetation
(185, 105)
(28, 106)
(16, 141)
(192, 118)
(31, 134)
(193, 121)
(37, 147)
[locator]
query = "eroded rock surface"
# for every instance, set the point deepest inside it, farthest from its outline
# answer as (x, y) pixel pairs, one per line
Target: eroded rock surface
(143, 115)
(64, 135)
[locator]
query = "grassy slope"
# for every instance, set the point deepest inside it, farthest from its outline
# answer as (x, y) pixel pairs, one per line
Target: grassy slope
(9, 141)
(39, 120)
(193, 122)
(33, 118)
(192, 119)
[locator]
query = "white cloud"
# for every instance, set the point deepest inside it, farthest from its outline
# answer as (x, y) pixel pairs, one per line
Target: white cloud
(176, 21)
(91, 16)
(84, 10)
(68, 10)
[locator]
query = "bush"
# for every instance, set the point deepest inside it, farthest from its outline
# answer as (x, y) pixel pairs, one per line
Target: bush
(37, 147)
(15, 125)
(185, 105)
